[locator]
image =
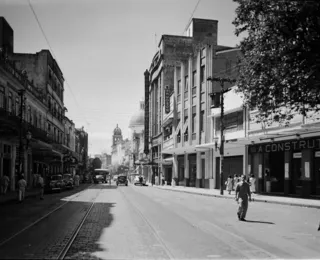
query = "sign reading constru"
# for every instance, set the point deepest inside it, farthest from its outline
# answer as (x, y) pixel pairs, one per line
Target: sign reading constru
(291, 145)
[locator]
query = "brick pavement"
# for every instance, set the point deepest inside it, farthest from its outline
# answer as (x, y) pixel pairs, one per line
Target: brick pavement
(311, 203)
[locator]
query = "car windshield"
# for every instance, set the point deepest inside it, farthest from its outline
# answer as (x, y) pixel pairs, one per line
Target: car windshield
(67, 176)
(56, 177)
(99, 176)
(122, 177)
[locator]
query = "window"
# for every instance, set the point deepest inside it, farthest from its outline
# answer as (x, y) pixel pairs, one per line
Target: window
(194, 78)
(40, 121)
(202, 74)
(179, 90)
(17, 107)
(2, 97)
(178, 117)
(185, 137)
(202, 121)
(179, 137)
(186, 87)
(185, 115)
(193, 122)
(232, 121)
(10, 102)
(203, 52)
(29, 116)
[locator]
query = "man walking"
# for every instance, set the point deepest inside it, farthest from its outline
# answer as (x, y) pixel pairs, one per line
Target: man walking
(243, 193)
(41, 186)
(4, 184)
(22, 184)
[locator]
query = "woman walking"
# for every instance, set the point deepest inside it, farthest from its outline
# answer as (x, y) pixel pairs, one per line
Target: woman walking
(229, 184)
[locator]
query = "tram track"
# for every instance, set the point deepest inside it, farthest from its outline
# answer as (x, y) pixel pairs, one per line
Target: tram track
(152, 229)
(68, 245)
(6, 240)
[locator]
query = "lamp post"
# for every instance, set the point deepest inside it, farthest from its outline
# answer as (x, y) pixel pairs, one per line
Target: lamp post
(221, 148)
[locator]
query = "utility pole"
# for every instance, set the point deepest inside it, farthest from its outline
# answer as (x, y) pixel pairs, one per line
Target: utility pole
(21, 155)
(222, 91)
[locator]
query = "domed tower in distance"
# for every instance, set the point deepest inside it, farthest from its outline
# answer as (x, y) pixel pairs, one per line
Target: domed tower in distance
(136, 124)
(117, 136)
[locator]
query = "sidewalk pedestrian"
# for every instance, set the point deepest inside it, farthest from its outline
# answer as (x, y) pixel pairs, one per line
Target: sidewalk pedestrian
(229, 184)
(252, 182)
(235, 181)
(77, 180)
(4, 184)
(22, 184)
(243, 195)
(41, 186)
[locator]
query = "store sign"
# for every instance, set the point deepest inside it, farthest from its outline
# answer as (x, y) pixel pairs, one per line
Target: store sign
(285, 146)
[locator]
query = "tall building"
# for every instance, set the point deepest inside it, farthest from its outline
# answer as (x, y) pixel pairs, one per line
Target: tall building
(179, 102)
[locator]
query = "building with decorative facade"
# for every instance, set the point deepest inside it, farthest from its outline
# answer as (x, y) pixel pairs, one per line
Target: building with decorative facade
(33, 139)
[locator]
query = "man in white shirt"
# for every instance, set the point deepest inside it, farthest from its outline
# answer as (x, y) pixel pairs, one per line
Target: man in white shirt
(22, 184)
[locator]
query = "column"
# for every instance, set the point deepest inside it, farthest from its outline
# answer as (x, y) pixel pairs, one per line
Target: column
(13, 167)
(287, 172)
(186, 170)
(199, 170)
(306, 164)
(174, 170)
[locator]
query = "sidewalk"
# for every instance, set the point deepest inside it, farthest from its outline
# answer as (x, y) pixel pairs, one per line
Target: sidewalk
(13, 196)
(310, 203)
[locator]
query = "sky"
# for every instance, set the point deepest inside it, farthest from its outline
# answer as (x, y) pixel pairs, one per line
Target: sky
(103, 48)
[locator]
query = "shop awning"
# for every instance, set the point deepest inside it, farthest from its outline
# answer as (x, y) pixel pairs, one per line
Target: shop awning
(180, 150)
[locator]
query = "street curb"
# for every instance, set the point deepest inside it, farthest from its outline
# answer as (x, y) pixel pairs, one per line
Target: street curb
(254, 200)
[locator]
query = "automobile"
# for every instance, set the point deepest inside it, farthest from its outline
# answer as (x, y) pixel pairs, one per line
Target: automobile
(68, 180)
(55, 183)
(99, 178)
(137, 181)
(122, 180)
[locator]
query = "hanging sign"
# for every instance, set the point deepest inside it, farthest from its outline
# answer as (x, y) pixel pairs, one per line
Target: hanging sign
(167, 99)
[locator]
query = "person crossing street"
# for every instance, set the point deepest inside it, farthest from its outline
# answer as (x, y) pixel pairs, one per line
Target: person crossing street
(243, 196)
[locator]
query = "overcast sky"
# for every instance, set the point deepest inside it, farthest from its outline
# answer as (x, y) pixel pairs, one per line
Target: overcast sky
(103, 48)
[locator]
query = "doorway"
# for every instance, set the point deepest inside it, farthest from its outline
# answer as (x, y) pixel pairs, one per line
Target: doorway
(276, 167)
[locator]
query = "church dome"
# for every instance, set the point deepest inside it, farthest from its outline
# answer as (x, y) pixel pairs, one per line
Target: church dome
(137, 119)
(117, 131)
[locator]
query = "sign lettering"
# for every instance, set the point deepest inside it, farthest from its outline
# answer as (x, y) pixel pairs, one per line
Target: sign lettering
(285, 146)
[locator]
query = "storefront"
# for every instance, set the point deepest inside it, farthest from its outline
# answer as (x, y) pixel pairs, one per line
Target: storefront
(291, 167)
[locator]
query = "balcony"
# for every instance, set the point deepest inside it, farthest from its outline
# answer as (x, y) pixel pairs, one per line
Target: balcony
(168, 142)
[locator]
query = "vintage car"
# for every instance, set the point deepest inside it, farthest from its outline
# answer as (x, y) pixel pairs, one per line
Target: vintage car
(122, 180)
(139, 180)
(99, 178)
(55, 183)
(68, 180)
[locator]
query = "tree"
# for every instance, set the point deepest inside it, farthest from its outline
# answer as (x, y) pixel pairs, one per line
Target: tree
(279, 72)
(96, 163)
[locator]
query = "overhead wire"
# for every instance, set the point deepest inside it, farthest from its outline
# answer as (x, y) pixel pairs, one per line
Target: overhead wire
(55, 57)
(194, 10)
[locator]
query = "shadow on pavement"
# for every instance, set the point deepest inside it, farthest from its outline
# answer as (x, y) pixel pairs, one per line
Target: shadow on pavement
(89, 243)
(104, 186)
(261, 222)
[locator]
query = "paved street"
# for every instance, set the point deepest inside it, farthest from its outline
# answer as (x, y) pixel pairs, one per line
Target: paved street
(147, 223)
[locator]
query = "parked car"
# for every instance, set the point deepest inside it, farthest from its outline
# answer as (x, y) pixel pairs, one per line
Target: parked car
(122, 180)
(115, 177)
(55, 183)
(139, 181)
(68, 180)
(99, 178)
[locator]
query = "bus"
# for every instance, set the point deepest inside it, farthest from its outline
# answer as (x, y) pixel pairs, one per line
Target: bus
(100, 175)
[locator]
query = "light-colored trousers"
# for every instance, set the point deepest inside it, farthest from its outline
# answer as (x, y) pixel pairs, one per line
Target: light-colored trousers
(243, 207)
(21, 193)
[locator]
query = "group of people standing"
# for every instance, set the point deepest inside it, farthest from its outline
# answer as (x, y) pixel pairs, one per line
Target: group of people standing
(232, 182)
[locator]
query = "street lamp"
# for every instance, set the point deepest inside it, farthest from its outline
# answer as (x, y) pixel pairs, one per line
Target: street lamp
(222, 81)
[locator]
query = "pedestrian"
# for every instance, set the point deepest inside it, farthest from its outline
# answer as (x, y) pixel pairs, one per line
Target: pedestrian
(41, 186)
(229, 184)
(235, 181)
(77, 180)
(252, 182)
(22, 184)
(243, 195)
(4, 184)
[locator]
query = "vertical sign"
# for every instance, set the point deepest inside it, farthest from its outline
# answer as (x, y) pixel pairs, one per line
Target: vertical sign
(146, 112)
(167, 99)
(260, 170)
(286, 170)
(307, 170)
